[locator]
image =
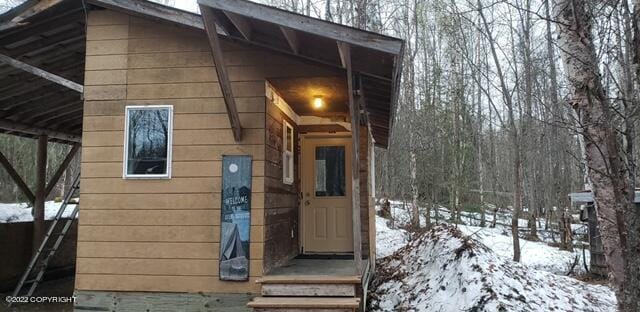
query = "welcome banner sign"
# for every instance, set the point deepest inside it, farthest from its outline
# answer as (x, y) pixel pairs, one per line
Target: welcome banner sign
(236, 218)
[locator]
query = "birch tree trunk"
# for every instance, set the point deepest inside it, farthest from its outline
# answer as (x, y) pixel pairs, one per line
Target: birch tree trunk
(606, 169)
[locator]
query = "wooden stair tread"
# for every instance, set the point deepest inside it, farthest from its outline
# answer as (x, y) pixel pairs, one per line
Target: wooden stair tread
(309, 279)
(305, 302)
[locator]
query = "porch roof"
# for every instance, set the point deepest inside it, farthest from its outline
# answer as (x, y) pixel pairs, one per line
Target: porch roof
(43, 44)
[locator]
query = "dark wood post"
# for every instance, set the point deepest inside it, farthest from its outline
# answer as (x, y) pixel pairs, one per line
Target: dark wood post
(354, 110)
(40, 192)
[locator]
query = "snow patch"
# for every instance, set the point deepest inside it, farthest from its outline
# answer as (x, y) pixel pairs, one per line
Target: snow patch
(446, 270)
(21, 212)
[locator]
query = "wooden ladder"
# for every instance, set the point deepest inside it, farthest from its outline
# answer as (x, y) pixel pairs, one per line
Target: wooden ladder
(283, 293)
(34, 273)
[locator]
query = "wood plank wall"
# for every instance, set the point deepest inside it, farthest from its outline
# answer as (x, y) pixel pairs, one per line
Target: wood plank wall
(364, 189)
(281, 200)
(163, 235)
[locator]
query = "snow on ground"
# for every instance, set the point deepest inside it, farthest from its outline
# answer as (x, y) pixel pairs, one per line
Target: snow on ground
(21, 212)
(536, 255)
(446, 270)
(388, 240)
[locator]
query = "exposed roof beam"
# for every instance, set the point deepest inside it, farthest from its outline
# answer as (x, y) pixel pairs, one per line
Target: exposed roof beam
(26, 11)
(28, 129)
(41, 73)
(291, 37)
(221, 71)
(241, 24)
(307, 24)
(342, 50)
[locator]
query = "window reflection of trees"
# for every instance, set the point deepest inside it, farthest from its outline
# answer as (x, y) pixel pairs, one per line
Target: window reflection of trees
(148, 140)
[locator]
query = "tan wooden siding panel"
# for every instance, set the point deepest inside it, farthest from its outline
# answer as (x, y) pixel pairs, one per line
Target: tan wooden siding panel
(174, 267)
(147, 186)
(107, 17)
(105, 77)
(157, 201)
(180, 137)
(178, 169)
(144, 28)
(148, 250)
(173, 91)
(180, 122)
(168, 60)
(180, 106)
(169, 44)
(172, 75)
(183, 216)
(162, 283)
(107, 32)
(157, 250)
(192, 90)
(100, 62)
(180, 153)
(107, 47)
(143, 233)
(110, 92)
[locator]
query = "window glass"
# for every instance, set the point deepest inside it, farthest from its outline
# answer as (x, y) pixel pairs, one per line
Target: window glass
(330, 171)
(148, 141)
(287, 153)
(289, 139)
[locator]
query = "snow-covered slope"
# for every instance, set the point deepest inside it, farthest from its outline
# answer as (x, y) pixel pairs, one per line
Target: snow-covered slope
(444, 270)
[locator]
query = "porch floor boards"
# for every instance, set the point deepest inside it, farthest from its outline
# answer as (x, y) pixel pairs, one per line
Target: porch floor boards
(306, 267)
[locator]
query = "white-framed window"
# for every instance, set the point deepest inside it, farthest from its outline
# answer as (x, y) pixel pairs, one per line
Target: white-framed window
(287, 152)
(147, 141)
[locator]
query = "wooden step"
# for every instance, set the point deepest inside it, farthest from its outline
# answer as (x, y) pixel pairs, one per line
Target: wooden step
(308, 290)
(282, 304)
(309, 279)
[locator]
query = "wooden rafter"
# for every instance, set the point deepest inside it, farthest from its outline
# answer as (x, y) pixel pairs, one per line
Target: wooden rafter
(221, 71)
(26, 11)
(354, 110)
(17, 179)
(41, 73)
(291, 37)
(63, 166)
(241, 24)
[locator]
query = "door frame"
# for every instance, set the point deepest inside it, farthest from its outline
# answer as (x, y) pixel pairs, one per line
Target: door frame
(303, 139)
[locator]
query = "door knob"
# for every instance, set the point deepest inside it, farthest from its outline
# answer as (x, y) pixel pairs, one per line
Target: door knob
(307, 202)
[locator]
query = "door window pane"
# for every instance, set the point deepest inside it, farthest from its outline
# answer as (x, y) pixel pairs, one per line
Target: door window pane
(330, 171)
(148, 141)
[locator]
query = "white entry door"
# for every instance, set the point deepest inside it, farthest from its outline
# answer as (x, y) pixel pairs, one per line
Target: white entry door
(326, 205)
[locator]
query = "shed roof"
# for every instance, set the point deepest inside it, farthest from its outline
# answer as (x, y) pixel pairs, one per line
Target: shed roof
(50, 35)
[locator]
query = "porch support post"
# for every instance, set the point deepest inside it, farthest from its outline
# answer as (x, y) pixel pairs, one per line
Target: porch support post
(38, 207)
(17, 179)
(63, 166)
(221, 70)
(354, 110)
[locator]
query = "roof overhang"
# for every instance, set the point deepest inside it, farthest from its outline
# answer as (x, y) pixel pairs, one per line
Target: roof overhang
(25, 35)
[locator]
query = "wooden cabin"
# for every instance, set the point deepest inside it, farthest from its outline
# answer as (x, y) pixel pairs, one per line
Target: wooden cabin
(223, 153)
